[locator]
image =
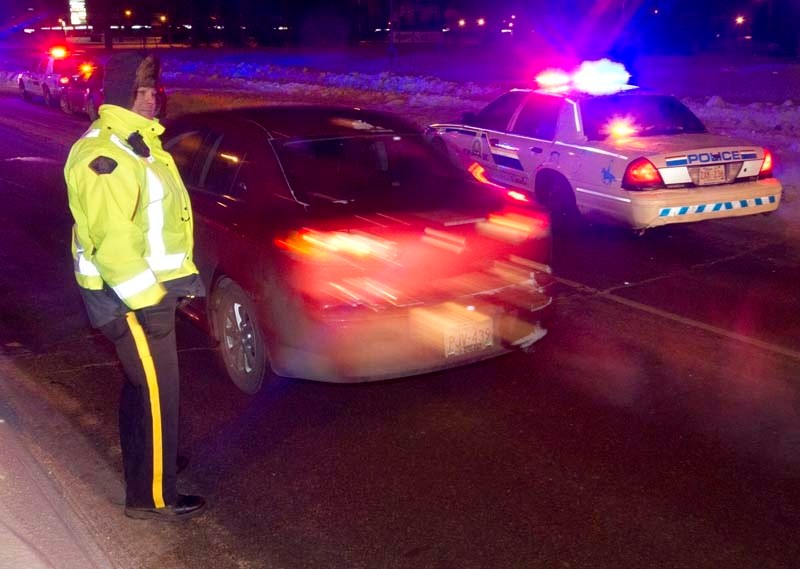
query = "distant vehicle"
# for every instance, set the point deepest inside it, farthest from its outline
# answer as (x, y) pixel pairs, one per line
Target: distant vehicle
(337, 246)
(83, 94)
(591, 144)
(51, 74)
(84, 91)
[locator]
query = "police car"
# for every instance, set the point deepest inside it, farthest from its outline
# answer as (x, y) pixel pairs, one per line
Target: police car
(51, 75)
(588, 143)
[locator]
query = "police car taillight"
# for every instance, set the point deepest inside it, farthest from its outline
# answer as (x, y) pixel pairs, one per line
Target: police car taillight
(641, 174)
(766, 167)
(63, 80)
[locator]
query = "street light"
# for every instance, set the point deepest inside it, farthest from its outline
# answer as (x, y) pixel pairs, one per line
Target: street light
(739, 20)
(128, 13)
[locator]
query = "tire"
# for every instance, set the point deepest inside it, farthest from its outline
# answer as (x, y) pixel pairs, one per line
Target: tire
(65, 106)
(24, 92)
(241, 342)
(91, 110)
(554, 192)
(48, 98)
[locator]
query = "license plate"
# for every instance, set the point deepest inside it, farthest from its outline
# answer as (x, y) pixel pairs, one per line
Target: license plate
(466, 338)
(712, 174)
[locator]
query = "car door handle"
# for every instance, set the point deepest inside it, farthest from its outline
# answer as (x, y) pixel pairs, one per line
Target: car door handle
(536, 149)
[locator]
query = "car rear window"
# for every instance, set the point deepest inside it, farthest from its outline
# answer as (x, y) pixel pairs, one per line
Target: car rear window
(647, 115)
(378, 170)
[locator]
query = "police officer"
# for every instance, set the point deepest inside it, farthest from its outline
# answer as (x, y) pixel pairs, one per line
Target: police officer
(132, 249)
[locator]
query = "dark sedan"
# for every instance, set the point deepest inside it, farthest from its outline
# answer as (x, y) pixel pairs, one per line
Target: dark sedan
(84, 91)
(337, 245)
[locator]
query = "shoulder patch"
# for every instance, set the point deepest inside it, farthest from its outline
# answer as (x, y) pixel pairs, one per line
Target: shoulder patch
(103, 165)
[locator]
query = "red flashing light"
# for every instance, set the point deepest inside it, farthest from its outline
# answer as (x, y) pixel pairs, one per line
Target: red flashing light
(766, 167)
(553, 78)
(641, 174)
(58, 52)
(63, 80)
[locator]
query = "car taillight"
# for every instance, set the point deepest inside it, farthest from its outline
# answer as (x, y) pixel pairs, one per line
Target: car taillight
(641, 174)
(63, 80)
(328, 246)
(515, 227)
(58, 52)
(766, 167)
(519, 196)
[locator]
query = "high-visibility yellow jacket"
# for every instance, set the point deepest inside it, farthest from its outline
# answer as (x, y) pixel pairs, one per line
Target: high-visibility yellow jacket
(133, 219)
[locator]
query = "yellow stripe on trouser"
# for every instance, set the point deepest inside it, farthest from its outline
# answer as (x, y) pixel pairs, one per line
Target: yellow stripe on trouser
(155, 406)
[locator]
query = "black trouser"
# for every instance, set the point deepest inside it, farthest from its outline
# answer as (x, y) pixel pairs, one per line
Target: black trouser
(148, 412)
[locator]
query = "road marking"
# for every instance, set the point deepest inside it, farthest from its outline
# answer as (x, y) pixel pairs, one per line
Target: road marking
(789, 353)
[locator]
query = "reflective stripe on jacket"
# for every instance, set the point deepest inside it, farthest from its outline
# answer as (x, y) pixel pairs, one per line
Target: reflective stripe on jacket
(133, 225)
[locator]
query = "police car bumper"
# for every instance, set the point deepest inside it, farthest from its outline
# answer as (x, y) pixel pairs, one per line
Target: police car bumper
(664, 207)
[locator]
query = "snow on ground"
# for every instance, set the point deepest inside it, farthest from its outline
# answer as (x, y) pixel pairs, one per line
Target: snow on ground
(751, 99)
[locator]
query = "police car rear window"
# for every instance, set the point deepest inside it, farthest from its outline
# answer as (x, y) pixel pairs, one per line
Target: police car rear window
(648, 115)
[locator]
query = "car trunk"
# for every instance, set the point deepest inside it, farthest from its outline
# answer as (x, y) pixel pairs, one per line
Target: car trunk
(389, 258)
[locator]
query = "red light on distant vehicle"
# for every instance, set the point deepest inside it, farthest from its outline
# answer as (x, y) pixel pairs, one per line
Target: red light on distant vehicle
(58, 52)
(63, 80)
(766, 167)
(86, 68)
(621, 127)
(641, 174)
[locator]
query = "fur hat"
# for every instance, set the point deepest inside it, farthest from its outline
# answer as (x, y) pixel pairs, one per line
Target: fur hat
(127, 72)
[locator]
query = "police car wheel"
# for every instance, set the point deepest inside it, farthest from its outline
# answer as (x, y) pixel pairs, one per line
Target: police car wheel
(241, 342)
(48, 98)
(555, 193)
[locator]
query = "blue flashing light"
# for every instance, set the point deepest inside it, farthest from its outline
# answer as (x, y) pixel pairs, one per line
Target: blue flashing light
(601, 77)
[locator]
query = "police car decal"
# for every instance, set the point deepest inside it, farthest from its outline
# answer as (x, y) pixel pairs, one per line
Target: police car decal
(712, 207)
(608, 176)
(710, 157)
(506, 155)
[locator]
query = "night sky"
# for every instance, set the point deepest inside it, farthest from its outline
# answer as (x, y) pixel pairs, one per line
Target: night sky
(628, 24)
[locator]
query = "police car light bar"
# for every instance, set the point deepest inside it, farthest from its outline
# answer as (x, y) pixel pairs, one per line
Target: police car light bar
(601, 77)
(553, 78)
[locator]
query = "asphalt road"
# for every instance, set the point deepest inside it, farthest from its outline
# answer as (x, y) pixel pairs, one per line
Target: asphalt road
(657, 425)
